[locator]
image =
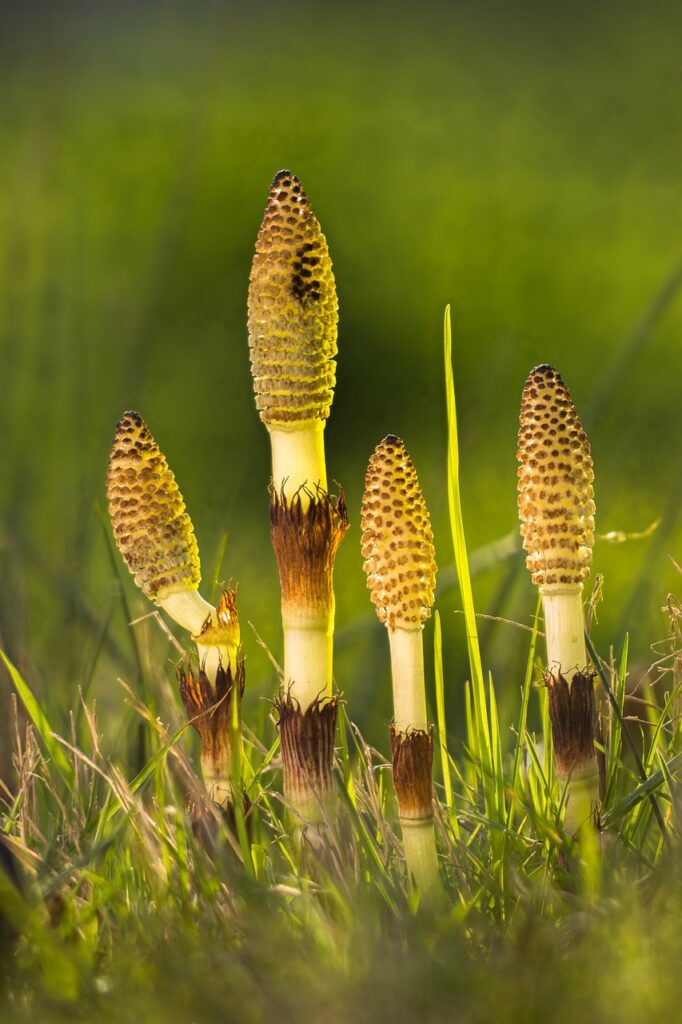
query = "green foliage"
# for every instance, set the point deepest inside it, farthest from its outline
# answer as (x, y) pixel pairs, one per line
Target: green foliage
(135, 905)
(514, 158)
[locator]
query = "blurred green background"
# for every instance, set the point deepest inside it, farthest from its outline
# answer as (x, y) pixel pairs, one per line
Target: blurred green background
(521, 162)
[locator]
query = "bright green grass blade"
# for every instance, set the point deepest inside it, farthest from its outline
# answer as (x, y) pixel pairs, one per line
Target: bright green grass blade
(40, 721)
(471, 764)
(218, 566)
(617, 727)
(484, 749)
(440, 709)
(596, 661)
(379, 873)
(346, 766)
(457, 522)
(498, 769)
(236, 773)
(108, 811)
(546, 736)
(641, 792)
(523, 717)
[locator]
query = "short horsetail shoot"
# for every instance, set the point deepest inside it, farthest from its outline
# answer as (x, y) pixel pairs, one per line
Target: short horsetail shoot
(155, 536)
(400, 562)
(556, 509)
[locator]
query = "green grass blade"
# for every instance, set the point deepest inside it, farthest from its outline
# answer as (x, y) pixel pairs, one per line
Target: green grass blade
(482, 727)
(616, 727)
(654, 781)
(440, 709)
(596, 661)
(40, 721)
(523, 716)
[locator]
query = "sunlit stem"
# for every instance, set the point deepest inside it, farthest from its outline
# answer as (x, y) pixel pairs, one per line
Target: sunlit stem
(582, 796)
(564, 631)
(298, 457)
(567, 655)
(407, 672)
(419, 842)
(218, 783)
(409, 714)
(190, 610)
(308, 654)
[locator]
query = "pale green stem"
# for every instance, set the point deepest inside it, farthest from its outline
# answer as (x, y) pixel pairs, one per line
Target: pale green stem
(218, 784)
(298, 461)
(308, 654)
(419, 842)
(409, 714)
(582, 796)
(564, 631)
(407, 671)
(190, 610)
(298, 457)
(567, 654)
(187, 607)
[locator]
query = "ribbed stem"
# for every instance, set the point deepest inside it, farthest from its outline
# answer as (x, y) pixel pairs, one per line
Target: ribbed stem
(298, 461)
(582, 797)
(407, 672)
(307, 525)
(308, 655)
(564, 630)
(190, 610)
(576, 761)
(419, 842)
(412, 762)
(298, 457)
(307, 747)
(213, 709)
(218, 783)
(187, 607)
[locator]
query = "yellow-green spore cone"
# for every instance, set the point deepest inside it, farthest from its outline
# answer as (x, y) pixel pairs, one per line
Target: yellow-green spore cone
(293, 319)
(293, 311)
(555, 495)
(151, 526)
(400, 562)
(397, 540)
(556, 511)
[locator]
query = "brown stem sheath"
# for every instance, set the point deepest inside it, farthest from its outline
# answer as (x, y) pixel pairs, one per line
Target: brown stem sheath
(306, 537)
(574, 721)
(209, 708)
(307, 747)
(412, 755)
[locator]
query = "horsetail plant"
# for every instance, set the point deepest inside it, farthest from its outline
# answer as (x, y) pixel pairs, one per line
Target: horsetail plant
(397, 545)
(556, 509)
(292, 322)
(155, 536)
